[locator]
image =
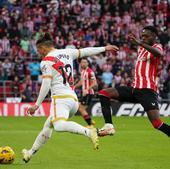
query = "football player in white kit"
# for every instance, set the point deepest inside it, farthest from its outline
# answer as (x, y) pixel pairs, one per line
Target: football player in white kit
(57, 74)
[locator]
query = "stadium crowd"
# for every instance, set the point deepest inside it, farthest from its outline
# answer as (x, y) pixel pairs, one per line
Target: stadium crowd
(78, 24)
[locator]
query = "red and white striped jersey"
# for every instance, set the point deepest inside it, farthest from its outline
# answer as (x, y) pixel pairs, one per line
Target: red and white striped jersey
(146, 69)
(86, 76)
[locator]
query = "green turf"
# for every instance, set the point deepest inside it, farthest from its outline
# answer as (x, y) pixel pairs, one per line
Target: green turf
(135, 146)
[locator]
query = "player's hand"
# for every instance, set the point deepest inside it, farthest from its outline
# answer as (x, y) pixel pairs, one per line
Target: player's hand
(31, 110)
(111, 48)
(133, 39)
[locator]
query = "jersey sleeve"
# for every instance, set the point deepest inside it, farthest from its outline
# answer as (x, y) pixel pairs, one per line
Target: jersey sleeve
(159, 47)
(92, 75)
(74, 53)
(84, 52)
(46, 69)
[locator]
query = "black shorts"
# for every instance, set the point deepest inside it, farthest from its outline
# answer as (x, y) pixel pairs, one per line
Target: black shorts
(85, 100)
(148, 98)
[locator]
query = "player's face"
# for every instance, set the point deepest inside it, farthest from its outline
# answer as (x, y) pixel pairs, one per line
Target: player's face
(84, 64)
(147, 37)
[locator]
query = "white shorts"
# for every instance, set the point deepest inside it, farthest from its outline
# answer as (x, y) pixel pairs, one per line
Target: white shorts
(63, 108)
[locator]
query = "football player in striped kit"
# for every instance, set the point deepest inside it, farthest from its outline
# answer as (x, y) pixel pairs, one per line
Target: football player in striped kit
(144, 86)
(88, 83)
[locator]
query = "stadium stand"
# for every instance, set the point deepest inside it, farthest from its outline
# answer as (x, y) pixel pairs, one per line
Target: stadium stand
(78, 23)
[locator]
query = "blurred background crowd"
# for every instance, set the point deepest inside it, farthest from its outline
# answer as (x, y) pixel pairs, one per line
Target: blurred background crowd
(78, 24)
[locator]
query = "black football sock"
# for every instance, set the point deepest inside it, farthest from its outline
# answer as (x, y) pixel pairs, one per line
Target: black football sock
(106, 108)
(165, 129)
(87, 118)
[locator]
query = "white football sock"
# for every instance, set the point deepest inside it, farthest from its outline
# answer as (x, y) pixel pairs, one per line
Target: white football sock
(70, 126)
(41, 139)
(109, 125)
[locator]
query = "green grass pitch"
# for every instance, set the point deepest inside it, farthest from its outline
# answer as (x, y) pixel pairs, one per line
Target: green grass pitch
(136, 145)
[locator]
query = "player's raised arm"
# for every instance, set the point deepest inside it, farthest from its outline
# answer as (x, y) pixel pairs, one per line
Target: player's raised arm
(149, 33)
(89, 51)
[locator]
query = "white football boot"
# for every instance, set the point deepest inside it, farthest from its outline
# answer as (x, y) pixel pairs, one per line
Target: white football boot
(26, 156)
(94, 138)
(107, 129)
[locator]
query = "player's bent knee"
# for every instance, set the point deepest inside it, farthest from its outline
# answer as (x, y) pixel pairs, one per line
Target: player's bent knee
(103, 92)
(59, 125)
(156, 123)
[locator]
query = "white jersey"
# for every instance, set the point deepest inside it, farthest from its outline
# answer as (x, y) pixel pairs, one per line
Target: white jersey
(58, 64)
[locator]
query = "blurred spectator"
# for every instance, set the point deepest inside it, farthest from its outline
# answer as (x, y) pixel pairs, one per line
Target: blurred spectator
(2, 73)
(70, 45)
(5, 45)
(26, 94)
(108, 65)
(122, 82)
(32, 47)
(13, 32)
(25, 44)
(1, 50)
(117, 78)
(3, 26)
(80, 23)
(34, 68)
(122, 55)
(159, 18)
(29, 82)
(7, 66)
(25, 32)
(127, 79)
(76, 2)
(15, 86)
(96, 67)
(107, 78)
(20, 68)
(87, 9)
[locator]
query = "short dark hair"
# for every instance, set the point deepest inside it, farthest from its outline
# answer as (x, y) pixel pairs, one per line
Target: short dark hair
(45, 39)
(84, 58)
(151, 29)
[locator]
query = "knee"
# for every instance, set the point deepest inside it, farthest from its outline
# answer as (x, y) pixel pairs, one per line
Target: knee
(59, 125)
(156, 123)
(104, 93)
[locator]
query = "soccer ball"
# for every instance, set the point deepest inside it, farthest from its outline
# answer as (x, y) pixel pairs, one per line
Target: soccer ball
(7, 155)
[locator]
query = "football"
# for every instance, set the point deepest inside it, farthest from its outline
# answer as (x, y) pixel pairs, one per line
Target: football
(7, 155)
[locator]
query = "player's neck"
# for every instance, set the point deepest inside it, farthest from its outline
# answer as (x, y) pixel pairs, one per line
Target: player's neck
(48, 51)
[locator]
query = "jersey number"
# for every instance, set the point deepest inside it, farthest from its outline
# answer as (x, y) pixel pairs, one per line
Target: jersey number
(65, 71)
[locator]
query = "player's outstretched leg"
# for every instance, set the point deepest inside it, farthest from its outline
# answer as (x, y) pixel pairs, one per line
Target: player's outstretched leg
(157, 123)
(73, 127)
(94, 138)
(108, 128)
(26, 156)
(86, 116)
(89, 121)
(41, 139)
